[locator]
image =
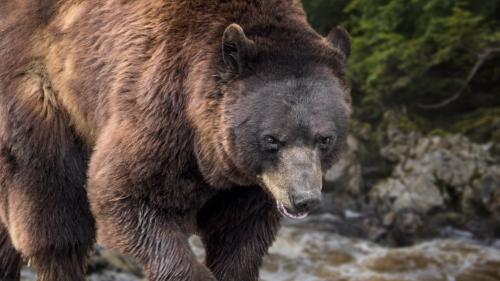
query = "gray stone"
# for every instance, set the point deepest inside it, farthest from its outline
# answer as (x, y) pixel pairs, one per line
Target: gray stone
(346, 174)
(436, 171)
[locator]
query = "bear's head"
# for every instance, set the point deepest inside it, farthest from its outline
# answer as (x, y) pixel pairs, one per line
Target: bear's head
(279, 118)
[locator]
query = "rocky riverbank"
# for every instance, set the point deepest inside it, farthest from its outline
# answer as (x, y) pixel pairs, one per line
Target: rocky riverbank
(433, 186)
(419, 207)
(323, 256)
(313, 254)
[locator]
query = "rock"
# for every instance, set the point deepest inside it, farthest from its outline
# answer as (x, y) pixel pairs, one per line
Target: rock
(437, 172)
(346, 176)
(399, 144)
(389, 219)
(484, 193)
(418, 193)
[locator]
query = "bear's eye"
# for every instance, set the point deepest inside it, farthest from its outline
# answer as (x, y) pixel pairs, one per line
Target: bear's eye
(326, 142)
(271, 143)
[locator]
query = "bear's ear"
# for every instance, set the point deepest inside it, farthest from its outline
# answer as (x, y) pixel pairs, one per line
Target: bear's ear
(340, 39)
(235, 48)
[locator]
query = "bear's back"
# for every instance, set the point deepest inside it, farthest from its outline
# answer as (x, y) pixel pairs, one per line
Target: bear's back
(99, 57)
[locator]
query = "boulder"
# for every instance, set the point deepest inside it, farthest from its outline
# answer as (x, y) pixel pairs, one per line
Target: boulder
(438, 172)
(346, 176)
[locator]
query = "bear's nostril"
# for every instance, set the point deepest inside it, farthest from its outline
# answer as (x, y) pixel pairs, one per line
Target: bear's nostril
(305, 202)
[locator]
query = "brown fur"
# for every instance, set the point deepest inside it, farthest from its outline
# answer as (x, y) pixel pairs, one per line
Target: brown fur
(128, 91)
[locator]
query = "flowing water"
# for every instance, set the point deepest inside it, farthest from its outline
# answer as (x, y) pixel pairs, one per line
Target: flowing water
(322, 256)
(310, 254)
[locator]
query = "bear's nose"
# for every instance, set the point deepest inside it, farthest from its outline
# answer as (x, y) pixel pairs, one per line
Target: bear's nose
(306, 201)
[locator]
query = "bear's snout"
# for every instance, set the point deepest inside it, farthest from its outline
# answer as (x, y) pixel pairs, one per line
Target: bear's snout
(305, 202)
(296, 182)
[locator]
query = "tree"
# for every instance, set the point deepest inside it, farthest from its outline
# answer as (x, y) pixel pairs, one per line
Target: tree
(325, 14)
(437, 59)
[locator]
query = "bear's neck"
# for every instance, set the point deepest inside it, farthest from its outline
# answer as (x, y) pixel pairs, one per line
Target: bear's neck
(210, 145)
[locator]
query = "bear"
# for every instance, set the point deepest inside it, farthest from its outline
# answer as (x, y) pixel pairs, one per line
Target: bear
(139, 123)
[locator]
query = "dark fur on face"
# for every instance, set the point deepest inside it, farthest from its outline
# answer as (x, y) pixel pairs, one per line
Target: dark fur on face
(276, 119)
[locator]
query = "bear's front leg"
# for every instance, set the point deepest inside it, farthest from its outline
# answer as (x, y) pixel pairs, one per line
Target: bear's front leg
(141, 204)
(154, 237)
(238, 226)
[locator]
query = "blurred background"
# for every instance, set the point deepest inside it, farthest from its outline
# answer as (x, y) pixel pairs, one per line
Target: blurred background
(425, 141)
(417, 195)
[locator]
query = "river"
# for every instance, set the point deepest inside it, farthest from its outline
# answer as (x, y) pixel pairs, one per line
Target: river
(314, 254)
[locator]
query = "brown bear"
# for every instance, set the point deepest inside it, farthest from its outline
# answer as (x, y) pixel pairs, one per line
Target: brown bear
(172, 118)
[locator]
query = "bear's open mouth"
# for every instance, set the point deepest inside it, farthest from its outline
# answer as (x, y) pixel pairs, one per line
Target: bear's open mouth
(283, 210)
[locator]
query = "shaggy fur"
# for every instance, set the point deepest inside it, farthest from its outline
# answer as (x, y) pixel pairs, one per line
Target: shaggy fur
(128, 98)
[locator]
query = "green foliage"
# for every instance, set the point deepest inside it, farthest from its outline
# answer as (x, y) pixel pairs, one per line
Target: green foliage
(482, 124)
(325, 14)
(411, 54)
